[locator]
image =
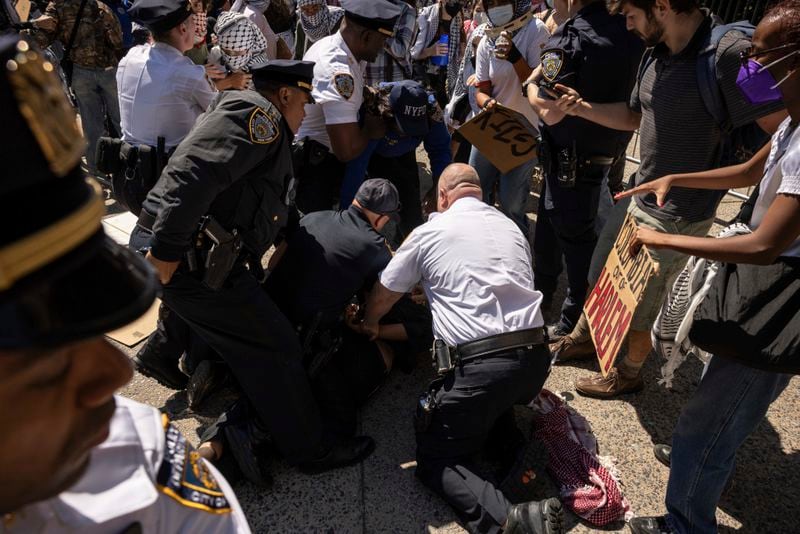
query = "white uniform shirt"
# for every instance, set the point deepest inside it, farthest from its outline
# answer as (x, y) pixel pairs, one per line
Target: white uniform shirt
(475, 268)
(506, 85)
(140, 474)
(781, 176)
(338, 88)
(161, 94)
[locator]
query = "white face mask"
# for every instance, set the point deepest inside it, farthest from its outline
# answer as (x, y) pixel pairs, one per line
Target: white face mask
(501, 14)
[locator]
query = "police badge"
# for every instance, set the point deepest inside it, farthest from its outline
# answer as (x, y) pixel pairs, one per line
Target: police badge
(552, 61)
(263, 127)
(344, 84)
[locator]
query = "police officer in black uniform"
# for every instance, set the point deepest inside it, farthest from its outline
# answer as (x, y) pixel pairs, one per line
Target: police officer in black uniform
(208, 221)
(595, 54)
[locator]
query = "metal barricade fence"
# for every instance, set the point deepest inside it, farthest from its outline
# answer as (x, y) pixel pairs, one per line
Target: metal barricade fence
(731, 10)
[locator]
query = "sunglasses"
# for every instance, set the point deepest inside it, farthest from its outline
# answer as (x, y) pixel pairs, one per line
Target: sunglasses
(749, 53)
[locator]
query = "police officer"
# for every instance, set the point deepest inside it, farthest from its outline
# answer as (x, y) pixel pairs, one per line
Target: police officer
(64, 283)
(413, 117)
(332, 133)
(592, 52)
(490, 348)
(215, 211)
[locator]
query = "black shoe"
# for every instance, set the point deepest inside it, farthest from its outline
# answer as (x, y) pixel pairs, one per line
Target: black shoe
(207, 377)
(253, 464)
(663, 453)
(649, 525)
(346, 452)
(555, 332)
(164, 371)
(537, 517)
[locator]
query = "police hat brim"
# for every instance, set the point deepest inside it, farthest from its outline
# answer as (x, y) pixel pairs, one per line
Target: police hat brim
(94, 289)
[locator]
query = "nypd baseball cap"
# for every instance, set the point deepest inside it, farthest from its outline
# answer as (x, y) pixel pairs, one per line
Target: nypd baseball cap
(380, 196)
(409, 103)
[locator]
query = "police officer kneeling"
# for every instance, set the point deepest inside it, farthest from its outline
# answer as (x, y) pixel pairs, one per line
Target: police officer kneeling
(73, 456)
(214, 212)
(474, 264)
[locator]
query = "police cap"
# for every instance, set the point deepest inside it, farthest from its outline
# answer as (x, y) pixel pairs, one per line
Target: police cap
(380, 196)
(285, 71)
(378, 15)
(409, 103)
(61, 278)
(160, 15)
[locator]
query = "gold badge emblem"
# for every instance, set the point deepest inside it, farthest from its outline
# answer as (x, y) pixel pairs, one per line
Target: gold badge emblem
(552, 61)
(344, 84)
(45, 107)
(263, 127)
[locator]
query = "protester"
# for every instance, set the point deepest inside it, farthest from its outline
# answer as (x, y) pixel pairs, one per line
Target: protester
(463, 106)
(254, 10)
(240, 44)
(736, 391)
(437, 61)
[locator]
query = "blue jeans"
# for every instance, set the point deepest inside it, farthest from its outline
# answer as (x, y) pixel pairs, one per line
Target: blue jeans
(96, 91)
(730, 402)
(515, 187)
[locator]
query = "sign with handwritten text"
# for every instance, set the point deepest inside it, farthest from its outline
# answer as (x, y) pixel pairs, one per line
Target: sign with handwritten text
(505, 137)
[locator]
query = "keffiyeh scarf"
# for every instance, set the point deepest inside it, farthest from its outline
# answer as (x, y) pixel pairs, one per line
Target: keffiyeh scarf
(236, 32)
(460, 87)
(522, 17)
(323, 22)
(453, 46)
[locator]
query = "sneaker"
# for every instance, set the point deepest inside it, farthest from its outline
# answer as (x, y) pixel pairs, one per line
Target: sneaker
(649, 525)
(663, 453)
(600, 387)
(566, 349)
(542, 517)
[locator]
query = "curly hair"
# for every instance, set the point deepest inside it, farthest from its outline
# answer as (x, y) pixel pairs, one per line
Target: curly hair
(678, 6)
(788, 13)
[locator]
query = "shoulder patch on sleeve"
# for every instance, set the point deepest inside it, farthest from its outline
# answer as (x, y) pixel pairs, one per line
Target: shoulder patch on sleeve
(184, 476)
(344, 84)
(552, 61)
(263, 126)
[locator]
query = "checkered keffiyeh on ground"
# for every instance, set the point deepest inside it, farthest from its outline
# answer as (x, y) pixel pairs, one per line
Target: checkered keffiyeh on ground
(585, 484)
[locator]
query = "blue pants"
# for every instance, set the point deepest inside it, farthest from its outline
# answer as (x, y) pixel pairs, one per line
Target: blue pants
(96, 91)
(728, 405)
(515, 187)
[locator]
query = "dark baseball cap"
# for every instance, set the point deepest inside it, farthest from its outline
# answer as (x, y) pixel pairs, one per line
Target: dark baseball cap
(380, 196)
(409, 103)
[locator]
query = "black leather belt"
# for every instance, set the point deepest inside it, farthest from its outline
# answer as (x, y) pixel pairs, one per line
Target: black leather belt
(146, 220)
(500, 343)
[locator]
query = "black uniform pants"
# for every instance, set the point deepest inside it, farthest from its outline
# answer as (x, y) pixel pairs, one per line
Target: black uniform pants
(403, 173)
(245, 327)
(319, 184)
(469, 403)
(565, 228)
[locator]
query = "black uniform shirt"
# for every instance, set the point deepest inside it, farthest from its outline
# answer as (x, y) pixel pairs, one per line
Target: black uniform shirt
(594, 54)
(331, 256)
(234, 165)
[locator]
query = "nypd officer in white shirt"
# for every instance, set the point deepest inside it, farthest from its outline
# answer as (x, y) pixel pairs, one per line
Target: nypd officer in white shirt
(474, 264)
(73, 456)
(331, 134)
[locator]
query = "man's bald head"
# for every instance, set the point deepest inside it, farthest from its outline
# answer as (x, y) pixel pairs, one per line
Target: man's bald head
(458, 180)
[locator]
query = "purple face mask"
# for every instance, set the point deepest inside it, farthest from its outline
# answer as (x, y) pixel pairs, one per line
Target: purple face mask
(757, 84)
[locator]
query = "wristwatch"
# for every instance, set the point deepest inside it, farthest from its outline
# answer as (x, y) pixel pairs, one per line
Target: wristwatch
(525, 85)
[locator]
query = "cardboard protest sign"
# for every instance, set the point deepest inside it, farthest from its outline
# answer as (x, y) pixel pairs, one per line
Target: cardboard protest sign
(503, 135)
(610, 306)
(141, 328)
(23, 8)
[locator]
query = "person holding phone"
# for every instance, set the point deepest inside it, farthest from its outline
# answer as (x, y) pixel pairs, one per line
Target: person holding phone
(592, 51)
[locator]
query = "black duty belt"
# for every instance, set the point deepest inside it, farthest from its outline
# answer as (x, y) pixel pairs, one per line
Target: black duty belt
(146, 220)
(500, 343)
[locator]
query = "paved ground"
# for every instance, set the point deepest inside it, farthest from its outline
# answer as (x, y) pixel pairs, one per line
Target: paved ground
(382, 495)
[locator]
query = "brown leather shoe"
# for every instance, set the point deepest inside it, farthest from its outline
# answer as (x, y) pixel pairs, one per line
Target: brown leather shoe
(606, 388)
(566, 349)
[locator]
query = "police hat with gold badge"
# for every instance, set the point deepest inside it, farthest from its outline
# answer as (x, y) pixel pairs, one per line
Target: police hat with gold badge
(289, 72)
(377, 15)
(61, 278)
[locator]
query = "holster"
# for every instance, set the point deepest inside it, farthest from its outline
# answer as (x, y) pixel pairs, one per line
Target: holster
(307, 152)
(223, 254)
(107, 155)
(140, 168)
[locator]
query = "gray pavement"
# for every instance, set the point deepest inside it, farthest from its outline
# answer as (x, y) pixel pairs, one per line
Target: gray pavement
(381, 494)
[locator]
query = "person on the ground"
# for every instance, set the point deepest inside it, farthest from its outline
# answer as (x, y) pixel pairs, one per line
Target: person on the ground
(506, 57)
(668, 109)
(474, 265)
(332, 134)
(95, 49)
(593, 53)
(733, 398)
(413, 117)
(74, 457)
(229, 183)
(442, 19)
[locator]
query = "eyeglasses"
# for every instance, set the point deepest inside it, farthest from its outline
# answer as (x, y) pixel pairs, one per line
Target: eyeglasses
(749, 53)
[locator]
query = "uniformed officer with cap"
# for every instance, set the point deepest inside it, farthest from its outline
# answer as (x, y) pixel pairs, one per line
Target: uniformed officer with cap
(73, 456)
(332, 133)
(216, 209)
(593, 53)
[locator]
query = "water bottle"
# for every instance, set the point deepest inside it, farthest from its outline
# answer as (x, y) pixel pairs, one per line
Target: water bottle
(441, 61)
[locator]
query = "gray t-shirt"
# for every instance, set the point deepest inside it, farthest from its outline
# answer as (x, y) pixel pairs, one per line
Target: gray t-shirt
(677, 133)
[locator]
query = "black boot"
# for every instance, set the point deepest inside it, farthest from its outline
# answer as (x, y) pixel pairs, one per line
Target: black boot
(165, 371)
(347, 451)
(537, 517)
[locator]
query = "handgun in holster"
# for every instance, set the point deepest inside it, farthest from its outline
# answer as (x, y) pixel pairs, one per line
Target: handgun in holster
(426, 406)
(107, 155)
(223, 254)
(567, 167)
